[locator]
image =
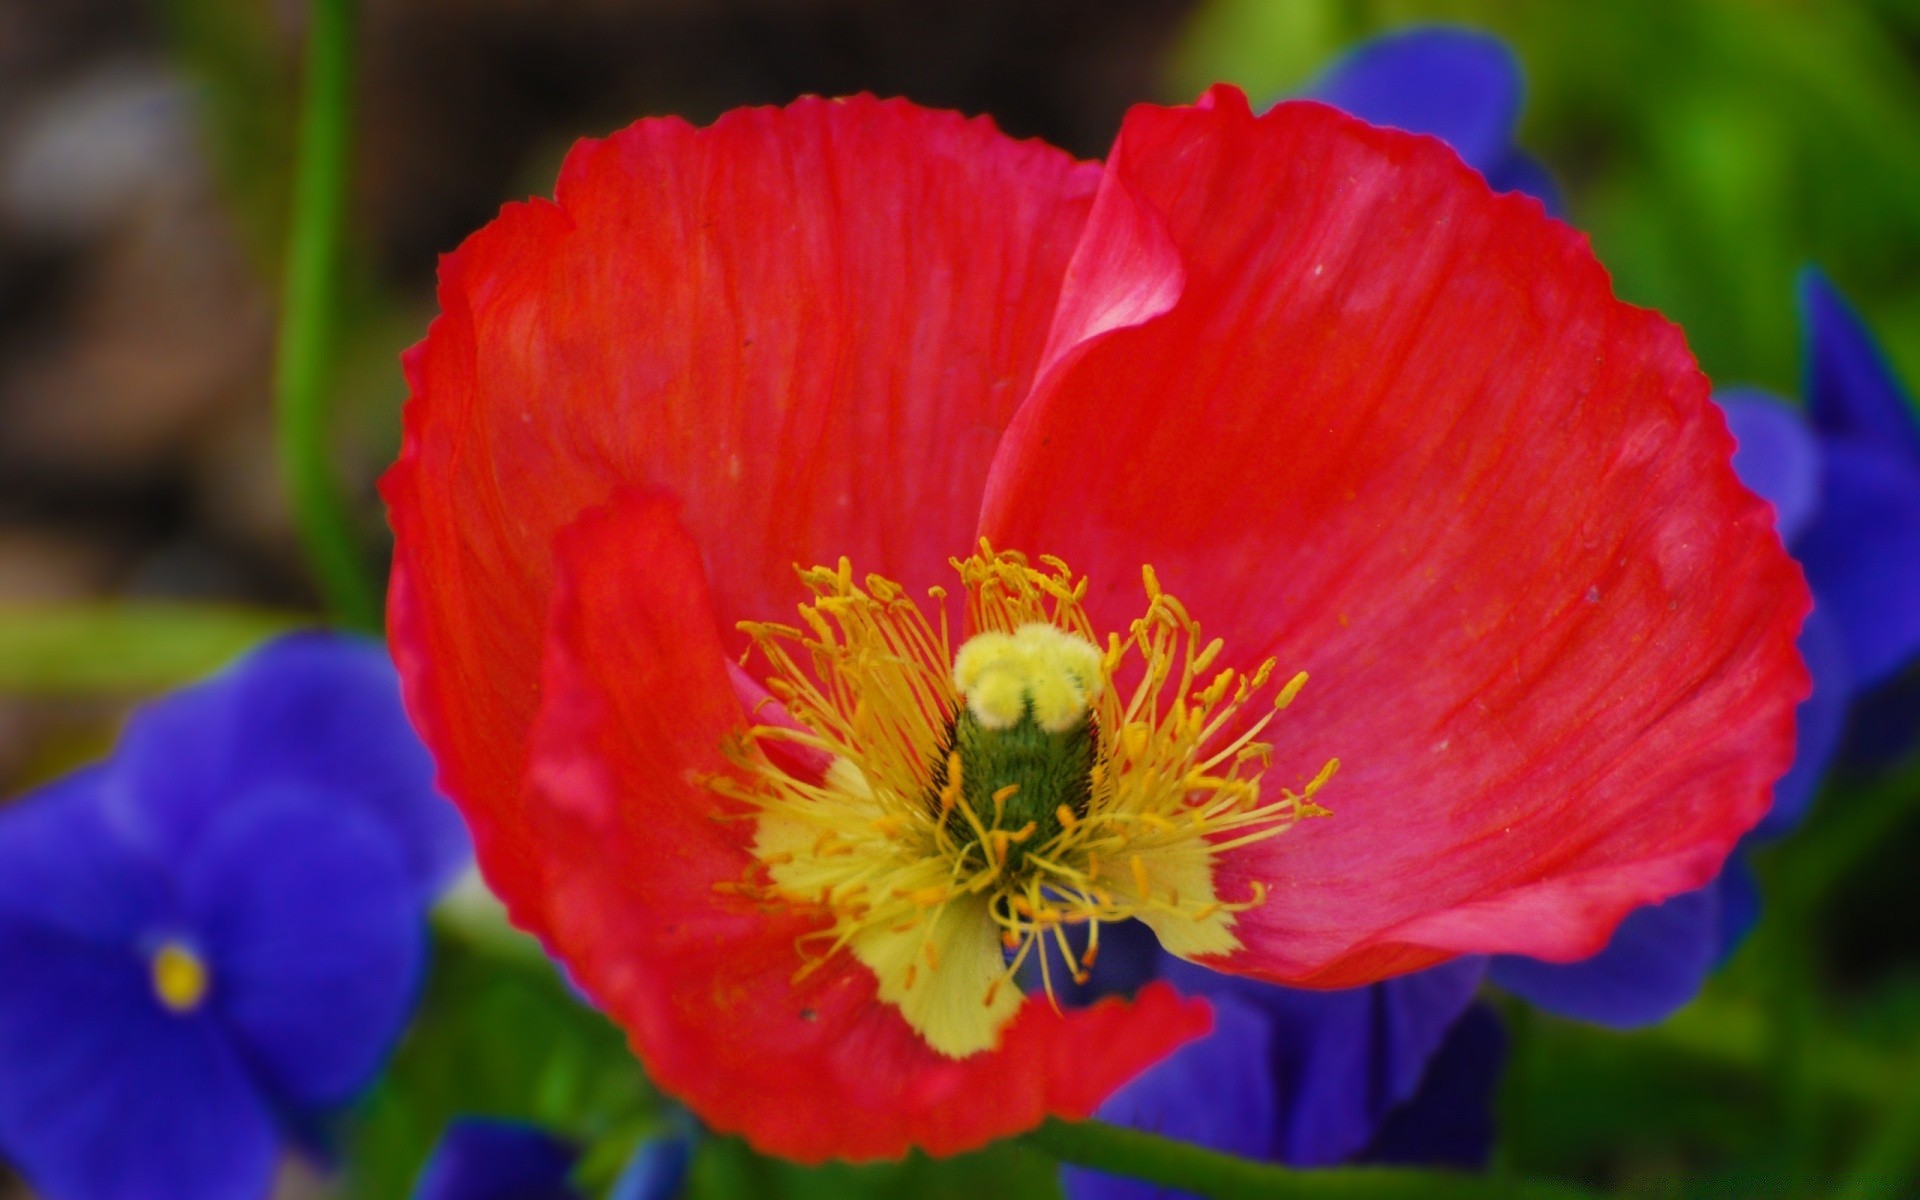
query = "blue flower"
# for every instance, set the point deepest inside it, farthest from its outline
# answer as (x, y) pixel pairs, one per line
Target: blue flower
(1459, 85)
(1402, 1071)
(485, 1159)
(219, 931)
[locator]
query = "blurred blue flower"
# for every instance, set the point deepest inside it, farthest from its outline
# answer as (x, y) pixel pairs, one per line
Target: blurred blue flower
(486, 1159)
(1459, 85)
(1401, 1071)
(217, 932)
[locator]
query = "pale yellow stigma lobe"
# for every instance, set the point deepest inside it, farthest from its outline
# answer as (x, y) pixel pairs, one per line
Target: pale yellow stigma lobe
(179, 977)
(1040, 665)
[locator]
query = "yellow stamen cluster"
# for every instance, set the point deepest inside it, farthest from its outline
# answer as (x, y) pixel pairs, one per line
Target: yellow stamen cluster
(926, 887)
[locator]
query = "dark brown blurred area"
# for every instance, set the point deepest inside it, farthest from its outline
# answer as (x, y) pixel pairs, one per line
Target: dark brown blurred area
(144, 156)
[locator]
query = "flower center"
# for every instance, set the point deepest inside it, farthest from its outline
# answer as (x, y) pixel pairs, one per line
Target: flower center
(1023, 747)
(179, 977)
(946, 815)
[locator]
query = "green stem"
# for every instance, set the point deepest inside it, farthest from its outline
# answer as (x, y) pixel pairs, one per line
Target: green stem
(309, 314)
(1151, 1158)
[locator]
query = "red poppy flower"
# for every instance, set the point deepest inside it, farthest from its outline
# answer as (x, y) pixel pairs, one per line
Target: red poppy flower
(1027, 425)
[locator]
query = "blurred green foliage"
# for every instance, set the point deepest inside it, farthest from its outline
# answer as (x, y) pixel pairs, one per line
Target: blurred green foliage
(500, 1036)
(1710, 147)
(124, 649)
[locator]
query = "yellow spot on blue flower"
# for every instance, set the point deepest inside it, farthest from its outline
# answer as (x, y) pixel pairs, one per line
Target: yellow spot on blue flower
(179, 977)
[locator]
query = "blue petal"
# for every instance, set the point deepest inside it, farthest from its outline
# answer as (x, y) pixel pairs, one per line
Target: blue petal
(1449, 1121)
(1862, 556)
(314, 943)
(318, 710)
(657, 1170)
(1129, 957)
(1522, 172)
(1818, 724)
(1341, 1060)
(66, 867)
(481, 1159)
(105, 1095)
(1884, 726)
(1656, 962)
(1461, 86)
(1739, 902)
(1851, 390)
(1775, 454)
(1218, 1092)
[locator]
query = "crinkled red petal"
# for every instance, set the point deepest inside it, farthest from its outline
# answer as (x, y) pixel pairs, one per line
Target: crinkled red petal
(1396, 431)
(637, 702)
(809, 324)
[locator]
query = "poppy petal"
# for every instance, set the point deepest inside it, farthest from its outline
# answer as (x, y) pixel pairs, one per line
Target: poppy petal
(809, 324)
(1656, 961)
(314, 941)
(636, 705)
(108, 1096)
(1398, 433)
(316, 711)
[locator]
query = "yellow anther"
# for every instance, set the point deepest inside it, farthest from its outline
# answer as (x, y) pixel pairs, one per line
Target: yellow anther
(1292, 689)
(179, 977)
(1038, 666)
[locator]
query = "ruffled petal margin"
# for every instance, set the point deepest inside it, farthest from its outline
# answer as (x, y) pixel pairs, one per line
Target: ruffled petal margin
(1397, 432)
(637, 704)
(809, 324)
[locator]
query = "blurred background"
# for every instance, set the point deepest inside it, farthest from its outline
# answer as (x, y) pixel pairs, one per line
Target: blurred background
(1711, 148)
